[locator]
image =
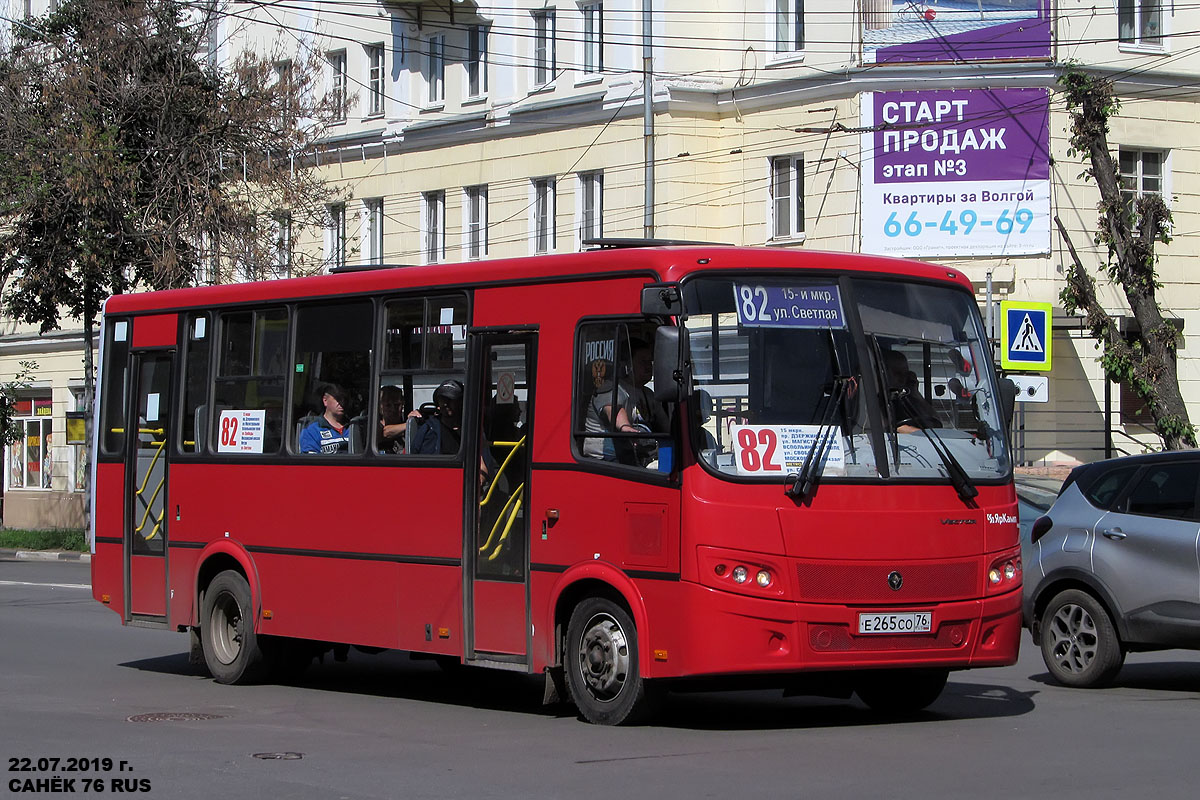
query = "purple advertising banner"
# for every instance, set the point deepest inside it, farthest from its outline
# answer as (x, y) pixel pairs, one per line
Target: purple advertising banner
(901, 31)
(961, 135)
(956, 172)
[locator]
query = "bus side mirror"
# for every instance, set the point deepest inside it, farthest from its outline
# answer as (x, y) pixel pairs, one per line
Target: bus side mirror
(668, 365)
(661, 300)
(1008, 400)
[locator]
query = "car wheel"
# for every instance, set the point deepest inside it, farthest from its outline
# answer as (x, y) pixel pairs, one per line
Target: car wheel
(1079, 641)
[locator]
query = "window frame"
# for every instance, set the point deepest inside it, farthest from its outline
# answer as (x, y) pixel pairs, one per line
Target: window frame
(545, 47)
(475, 221)
(435, 69)
(338, 84)
(795, 230)
(335, 239)
(477, 61)
(1139, 177)
(433, 226)
(543, 208)
(787, 18)
(1134, 11)
(372, 231)
(376, 58)
(591, 206)
(45, 428)
(592, 41)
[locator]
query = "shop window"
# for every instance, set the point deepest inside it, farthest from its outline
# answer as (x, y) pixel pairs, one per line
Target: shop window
(30, 456)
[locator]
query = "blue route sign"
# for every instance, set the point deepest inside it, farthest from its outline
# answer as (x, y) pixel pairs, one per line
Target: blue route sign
(1025, 330)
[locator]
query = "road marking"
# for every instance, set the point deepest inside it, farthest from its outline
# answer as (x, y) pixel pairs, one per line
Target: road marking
(51, 585)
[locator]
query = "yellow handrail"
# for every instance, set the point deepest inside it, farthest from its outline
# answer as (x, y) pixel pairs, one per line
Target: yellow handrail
(141, 490)
(508, 515)
(515, 446)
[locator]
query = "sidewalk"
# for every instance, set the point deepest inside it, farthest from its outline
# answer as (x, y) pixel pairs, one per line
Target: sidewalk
(9, 554)
(1039, 486)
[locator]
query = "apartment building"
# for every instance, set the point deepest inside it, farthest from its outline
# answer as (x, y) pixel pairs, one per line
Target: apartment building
(480, 130)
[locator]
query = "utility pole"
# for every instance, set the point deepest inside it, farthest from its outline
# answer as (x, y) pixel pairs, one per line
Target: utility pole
(648, 116)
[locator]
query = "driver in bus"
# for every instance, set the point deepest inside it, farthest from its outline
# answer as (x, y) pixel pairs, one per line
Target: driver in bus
(909, 406)
(330, 432)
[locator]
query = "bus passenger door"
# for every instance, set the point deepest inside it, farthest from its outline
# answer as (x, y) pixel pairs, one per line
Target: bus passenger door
(496, 558)
(146, 518)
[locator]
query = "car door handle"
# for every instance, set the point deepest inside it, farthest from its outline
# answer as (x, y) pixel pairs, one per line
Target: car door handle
(1115, 534)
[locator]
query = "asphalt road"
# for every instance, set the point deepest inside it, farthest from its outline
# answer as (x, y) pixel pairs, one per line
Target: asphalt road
(75, 683)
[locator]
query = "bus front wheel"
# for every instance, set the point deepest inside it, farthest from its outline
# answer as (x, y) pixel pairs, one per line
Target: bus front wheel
(901, 691)
(602, 670)
(231, 648)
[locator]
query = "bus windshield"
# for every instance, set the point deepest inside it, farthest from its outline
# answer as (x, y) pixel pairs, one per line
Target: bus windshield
(872, 378)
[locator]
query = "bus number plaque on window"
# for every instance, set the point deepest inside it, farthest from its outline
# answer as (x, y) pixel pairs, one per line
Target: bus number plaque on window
(812, 306)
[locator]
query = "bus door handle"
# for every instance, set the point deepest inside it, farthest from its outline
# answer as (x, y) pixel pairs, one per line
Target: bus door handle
(1116, 534)
(548, 522)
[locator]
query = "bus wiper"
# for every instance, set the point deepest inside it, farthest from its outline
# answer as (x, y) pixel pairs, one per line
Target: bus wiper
(958, 476)
(801, 484)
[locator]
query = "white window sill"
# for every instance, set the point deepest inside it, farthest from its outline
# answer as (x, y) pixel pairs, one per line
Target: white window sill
(433, 107)
(786, 241)
(785, 59)
(590, 79)
(1143, 49)
(476, 100)
(542, 88)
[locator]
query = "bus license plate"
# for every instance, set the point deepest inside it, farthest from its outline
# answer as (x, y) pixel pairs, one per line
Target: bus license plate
(914, 622)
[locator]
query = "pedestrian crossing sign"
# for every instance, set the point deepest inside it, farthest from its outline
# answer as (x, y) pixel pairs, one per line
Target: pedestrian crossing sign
(1025, 333)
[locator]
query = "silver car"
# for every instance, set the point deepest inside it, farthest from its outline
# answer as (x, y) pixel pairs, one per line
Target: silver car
(1114, 566)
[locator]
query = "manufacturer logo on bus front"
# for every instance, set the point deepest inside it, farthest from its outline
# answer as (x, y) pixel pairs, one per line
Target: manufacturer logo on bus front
(895, 580)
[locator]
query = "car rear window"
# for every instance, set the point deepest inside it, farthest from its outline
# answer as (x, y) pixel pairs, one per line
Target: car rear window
(1104, 490)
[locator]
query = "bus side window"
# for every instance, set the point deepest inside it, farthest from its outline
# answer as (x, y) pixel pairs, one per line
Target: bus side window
(250, 380)
(333, 352)
(425, 344)
(113, 391)
(614, 366)
(194, 425)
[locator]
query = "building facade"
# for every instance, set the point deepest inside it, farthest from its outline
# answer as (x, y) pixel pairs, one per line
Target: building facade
(930, 130)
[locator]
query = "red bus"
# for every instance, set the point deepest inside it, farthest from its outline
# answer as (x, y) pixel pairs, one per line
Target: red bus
(630, 469)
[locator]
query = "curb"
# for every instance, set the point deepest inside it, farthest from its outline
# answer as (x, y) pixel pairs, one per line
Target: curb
(45, 555)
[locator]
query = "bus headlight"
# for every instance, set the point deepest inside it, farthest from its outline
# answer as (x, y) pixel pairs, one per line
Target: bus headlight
(739, 574)
(763, 578)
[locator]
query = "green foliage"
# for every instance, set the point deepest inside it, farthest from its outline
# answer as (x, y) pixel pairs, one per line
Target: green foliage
(130, 162)
(73, 540)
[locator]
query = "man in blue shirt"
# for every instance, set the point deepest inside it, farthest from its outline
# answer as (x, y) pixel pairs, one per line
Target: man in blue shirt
(330, 433)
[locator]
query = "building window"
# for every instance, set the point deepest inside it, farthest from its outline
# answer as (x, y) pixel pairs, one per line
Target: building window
(30, 460)
(335, 237)
(591, 206)
(543, 215)
(79, 461)
(433, 226)
(1142, 173)
(789, 26)
(593, 37)
(477, 60)
(372, 230)
(1140, 22)
(284, 80)
(787, 197)
(337, 84)
(545, 54)
(436, 78)
(475, 200)
(283, 243)
(375, 78)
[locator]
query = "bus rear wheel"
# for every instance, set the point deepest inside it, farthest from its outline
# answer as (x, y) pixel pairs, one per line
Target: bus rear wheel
(901, 691)
(602, 670)
(231, 649)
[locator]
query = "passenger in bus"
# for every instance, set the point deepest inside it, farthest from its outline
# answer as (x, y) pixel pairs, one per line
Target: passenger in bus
(600, 418)
(441, 433)
(391, 420)
(909, 406)
(330, 432)
(644, 412)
